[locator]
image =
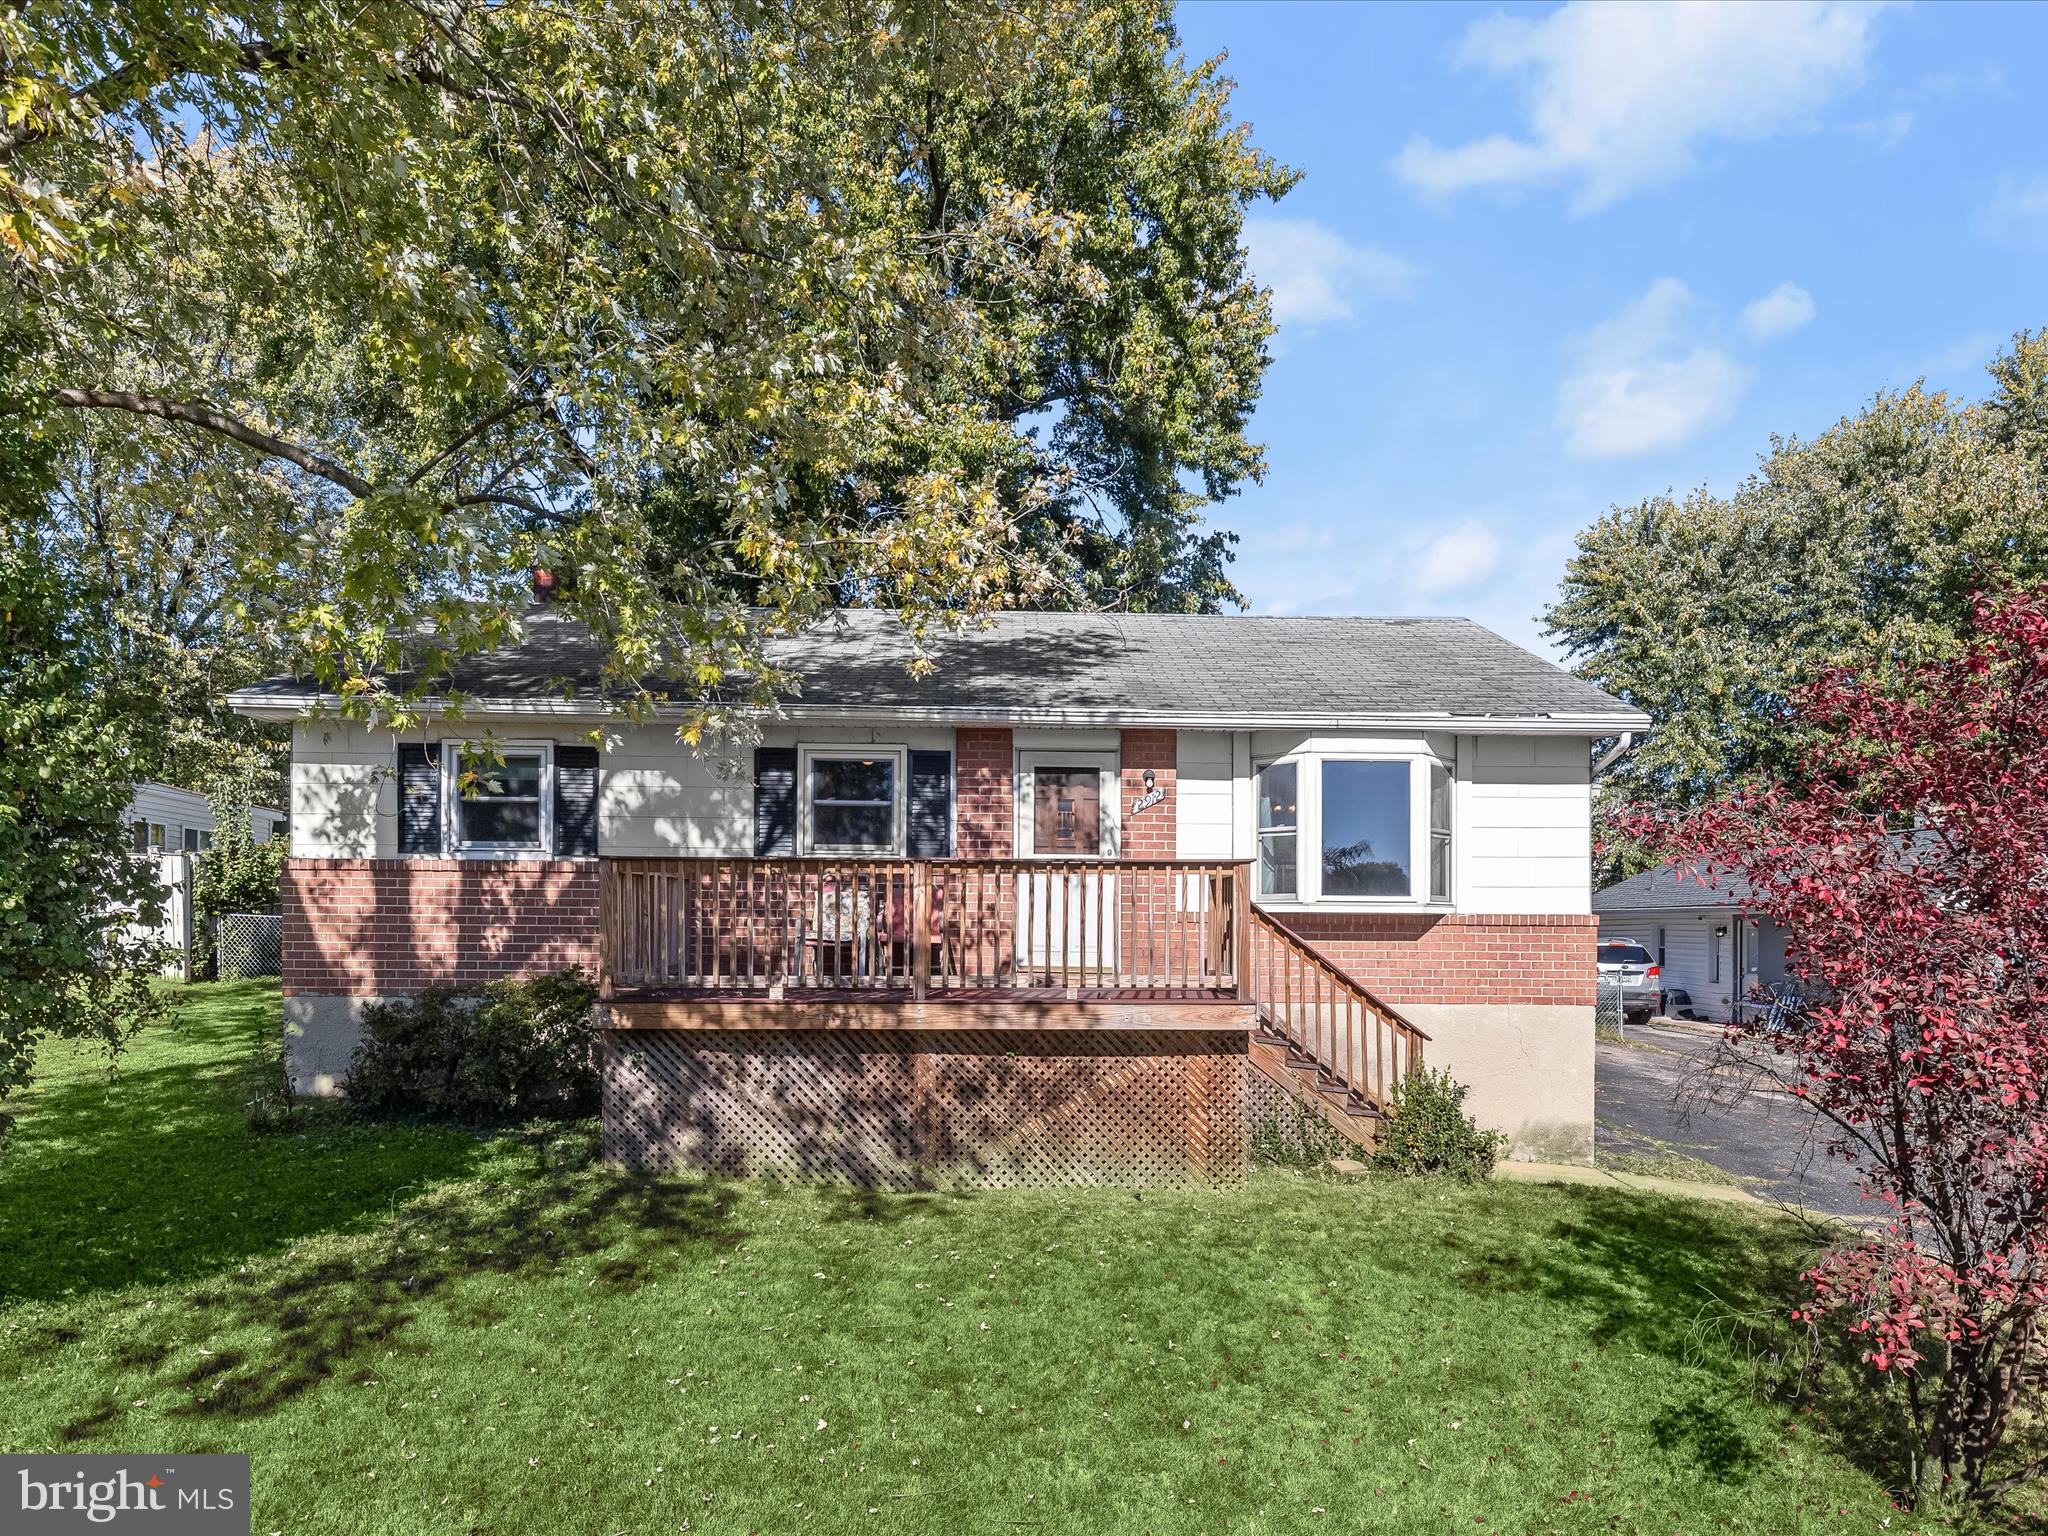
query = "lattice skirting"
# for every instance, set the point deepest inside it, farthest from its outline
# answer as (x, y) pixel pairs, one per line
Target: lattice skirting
(959, 1107)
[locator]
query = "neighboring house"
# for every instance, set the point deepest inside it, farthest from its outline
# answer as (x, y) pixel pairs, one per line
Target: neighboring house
(171, 824)
(1070, 905)
(166, 819)
(1701, 935)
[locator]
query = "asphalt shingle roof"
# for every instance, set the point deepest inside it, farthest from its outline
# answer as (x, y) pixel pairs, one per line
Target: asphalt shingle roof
(1666, 888)
(1128, 666)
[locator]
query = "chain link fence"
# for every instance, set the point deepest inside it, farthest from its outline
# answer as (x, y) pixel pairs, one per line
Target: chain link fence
(248, 944)
(1607, 1009)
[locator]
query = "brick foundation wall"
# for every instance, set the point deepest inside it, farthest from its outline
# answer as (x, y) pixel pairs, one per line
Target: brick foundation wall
(1464, 958)
(985, 794)
(379, 927)
(1149, 834)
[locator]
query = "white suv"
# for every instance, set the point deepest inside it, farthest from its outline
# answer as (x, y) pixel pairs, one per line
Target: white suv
(1627, 965)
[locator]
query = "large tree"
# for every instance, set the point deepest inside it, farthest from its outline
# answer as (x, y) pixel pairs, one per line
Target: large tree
(1861, 548)
(708, 303)
(76, 906)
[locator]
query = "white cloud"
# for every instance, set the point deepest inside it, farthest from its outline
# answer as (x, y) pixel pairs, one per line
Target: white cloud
(1453, 561)
(1887, 132)
(1785, 308)
(1642, 384)
(2018, 201)
(1317, 275)
(1973, 351)
(1619, 94)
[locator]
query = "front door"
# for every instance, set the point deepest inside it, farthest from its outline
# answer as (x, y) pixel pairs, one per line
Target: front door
(1072, 914)
(1066, 812)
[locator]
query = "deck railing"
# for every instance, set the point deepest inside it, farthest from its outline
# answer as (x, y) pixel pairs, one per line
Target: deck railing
(1174, 928)
(782, 926)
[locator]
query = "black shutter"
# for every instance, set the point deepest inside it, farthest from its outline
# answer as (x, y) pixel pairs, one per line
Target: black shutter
(931, 805)
(419, 798)
(774, 802)
(575, 802)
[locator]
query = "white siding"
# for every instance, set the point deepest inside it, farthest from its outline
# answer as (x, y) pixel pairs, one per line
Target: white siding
(1522, 833)
(344, 795)
(656, 797)
(178, 811)
(1205, 795)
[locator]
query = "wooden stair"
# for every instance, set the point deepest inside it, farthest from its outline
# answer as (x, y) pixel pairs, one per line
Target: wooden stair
(1322, 1038)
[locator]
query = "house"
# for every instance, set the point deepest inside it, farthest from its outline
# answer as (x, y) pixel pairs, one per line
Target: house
(172, 824)
(1073, 904)
(1702, 935)
(166, 819)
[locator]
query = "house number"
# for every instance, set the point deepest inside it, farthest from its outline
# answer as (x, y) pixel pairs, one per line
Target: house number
(1154, 793)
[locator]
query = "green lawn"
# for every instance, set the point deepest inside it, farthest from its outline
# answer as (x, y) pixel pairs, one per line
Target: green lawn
(414, 1330)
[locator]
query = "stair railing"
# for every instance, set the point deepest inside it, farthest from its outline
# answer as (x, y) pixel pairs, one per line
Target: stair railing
(1353, 1037)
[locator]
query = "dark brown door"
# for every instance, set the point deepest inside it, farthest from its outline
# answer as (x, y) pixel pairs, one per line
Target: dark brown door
(1066, 811)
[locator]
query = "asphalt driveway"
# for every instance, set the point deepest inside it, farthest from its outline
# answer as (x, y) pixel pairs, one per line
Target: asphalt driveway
(1765, 1138)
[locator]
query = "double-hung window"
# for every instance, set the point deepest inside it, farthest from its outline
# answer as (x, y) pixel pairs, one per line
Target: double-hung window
(1279, 829)
(1439, 832)
(497, 800)
(852, 801)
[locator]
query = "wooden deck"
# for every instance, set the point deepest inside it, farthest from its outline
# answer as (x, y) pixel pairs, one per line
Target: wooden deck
(966, 1008)
(1005, 1019)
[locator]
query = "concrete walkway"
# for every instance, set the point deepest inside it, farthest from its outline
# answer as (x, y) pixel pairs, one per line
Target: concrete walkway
(1578, 1173)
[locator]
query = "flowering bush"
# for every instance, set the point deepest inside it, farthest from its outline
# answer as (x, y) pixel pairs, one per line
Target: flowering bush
(1911, 875)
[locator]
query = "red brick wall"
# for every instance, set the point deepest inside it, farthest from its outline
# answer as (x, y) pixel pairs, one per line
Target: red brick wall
(1464, 958)
(1148, 834)
(388, 926)
(985, 796)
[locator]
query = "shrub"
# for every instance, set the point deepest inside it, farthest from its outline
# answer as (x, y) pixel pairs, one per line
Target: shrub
(1430, 1132)
(237, 874)
(480, 1054)
(268, 1105)
(1295, 1136)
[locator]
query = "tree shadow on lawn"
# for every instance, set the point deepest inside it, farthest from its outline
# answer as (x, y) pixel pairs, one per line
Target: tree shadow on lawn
(1711, 1290)
(349, 1299)
(151, 1174)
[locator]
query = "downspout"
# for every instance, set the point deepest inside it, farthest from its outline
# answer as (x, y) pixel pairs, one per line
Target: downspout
(1615, 753)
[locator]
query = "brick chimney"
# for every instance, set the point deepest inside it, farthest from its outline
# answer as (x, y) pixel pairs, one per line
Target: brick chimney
(547, 586)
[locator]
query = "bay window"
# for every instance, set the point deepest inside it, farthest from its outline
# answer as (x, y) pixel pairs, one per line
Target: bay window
(1330, 826)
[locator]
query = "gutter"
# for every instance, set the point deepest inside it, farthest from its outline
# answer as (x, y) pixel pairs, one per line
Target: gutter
(287, 708)
(1615, 753)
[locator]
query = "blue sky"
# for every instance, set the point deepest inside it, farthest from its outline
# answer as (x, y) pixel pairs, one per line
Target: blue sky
(1545, 261)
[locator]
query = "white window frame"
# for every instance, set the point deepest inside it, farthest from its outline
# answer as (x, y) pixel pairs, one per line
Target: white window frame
(453, 844)
(1308, 762)
(1259, 768)
(899, 839)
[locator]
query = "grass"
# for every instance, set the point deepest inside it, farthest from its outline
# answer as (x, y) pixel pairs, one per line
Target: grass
(414, 1330)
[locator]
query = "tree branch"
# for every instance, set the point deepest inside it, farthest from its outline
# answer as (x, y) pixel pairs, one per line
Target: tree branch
(192, 413)
(104, 93)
